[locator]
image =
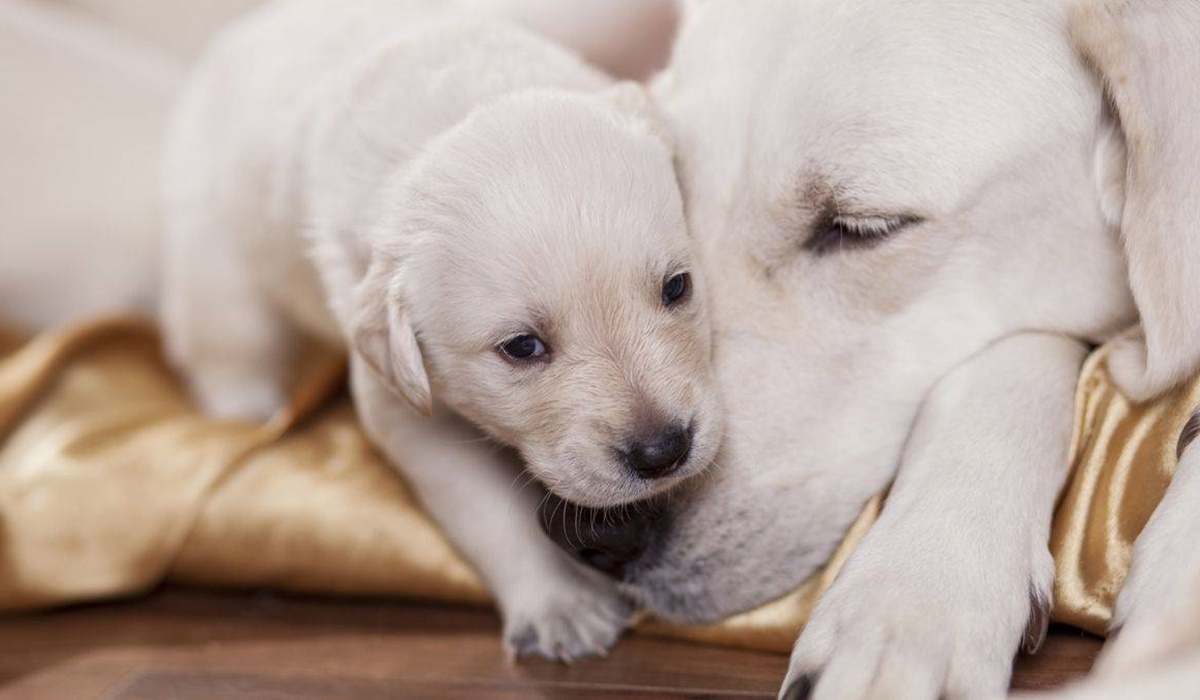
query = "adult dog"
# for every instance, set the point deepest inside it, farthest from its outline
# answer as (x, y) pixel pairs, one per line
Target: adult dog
(915, 217)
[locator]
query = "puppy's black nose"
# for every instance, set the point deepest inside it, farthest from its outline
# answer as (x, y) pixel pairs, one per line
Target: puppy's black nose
(607, 540)
(661, 454)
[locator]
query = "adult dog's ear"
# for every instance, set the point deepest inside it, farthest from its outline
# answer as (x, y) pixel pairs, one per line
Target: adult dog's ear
(383, 336)
(1148, 53)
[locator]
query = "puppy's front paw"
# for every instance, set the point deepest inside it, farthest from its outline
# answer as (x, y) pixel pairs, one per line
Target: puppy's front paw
(253, 399)
(911, 621)
(565, 619)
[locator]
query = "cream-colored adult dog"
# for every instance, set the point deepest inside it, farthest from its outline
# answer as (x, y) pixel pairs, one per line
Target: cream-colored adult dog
(502, 247)
(914, 217)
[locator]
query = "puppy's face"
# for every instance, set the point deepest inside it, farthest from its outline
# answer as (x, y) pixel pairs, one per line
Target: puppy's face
(553, 290)
(877, 192)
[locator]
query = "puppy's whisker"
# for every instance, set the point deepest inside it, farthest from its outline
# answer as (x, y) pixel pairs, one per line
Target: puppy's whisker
(524, 473)
(709, 476)
(578, 533)
(529, 479)
(542, 503)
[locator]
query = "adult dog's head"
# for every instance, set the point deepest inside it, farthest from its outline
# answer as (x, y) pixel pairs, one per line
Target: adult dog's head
(880, 190)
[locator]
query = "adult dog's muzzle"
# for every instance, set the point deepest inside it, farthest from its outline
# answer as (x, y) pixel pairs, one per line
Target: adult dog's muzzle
(606, 539)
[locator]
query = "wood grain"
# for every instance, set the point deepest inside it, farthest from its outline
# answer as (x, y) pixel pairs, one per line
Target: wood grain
(186, 644)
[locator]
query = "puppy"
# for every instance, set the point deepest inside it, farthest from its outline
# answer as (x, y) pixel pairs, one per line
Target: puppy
(501, 247)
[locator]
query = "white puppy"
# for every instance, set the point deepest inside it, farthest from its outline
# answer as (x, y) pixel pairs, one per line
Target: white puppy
(502, 247)
(913, 218)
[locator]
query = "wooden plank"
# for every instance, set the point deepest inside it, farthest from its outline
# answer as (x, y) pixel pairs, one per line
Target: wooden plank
(186, 644)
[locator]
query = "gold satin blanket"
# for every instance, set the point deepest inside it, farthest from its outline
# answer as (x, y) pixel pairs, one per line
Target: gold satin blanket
(111, 483)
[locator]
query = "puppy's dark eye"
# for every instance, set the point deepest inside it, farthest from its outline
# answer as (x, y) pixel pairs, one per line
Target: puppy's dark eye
(523, 347)
(676, 289)
(834, 233)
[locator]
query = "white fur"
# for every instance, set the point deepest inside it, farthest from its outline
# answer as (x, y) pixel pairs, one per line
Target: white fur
(423, 185)
(921, 357)
(1157, 615)
(627, 38)
(1156, 653)
(916, 632)
(1175, 677)
(1147, 53)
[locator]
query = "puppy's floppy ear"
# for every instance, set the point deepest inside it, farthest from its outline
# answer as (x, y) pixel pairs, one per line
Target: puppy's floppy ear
(635, 101)
(383, 336)
(1148, 53)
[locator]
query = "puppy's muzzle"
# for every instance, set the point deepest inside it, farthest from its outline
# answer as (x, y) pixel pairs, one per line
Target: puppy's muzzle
(605, 539)
(660, 454)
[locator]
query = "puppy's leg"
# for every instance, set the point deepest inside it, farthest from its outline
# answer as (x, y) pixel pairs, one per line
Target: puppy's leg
(1158, 611)
(471, 488)
(956, 572)
(219, 330)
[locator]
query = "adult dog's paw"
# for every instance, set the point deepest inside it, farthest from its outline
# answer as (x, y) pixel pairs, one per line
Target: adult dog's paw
(921, 619)
(566, 619)
(1157, 613)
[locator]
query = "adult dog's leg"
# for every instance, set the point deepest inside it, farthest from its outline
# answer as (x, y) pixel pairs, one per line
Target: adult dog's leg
(1177, 676)
(1157, 653)
(941, 592)
(472, 487)
(1158, 610)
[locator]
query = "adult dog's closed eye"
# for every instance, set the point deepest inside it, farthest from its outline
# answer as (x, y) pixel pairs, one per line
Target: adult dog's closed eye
(835, 232)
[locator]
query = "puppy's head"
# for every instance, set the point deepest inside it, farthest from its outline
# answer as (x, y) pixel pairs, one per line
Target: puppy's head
(535, 275)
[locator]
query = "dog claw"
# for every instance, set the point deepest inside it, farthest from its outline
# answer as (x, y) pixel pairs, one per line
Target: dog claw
(1038, 625)
(800, 689)
(522, 644)
(1189, 434)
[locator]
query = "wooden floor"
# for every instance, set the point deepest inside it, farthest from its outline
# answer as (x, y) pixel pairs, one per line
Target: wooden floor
(189, 645)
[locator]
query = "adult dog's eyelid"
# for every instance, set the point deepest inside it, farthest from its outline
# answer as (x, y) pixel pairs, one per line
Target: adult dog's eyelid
(841, 232)
(878, 225)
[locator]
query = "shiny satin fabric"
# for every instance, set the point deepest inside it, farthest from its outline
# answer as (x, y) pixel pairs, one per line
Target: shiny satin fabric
(111, 483)
(1123, 456)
